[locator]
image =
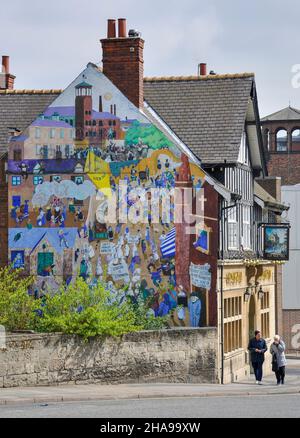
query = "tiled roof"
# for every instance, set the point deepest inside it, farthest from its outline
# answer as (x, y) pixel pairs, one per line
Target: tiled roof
(19, 108)
(285, 114)
(207, 113)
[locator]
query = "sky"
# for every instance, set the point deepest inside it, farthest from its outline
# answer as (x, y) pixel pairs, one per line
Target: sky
(51, 42)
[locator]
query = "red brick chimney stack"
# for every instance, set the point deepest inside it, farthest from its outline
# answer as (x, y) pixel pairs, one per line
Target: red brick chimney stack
(111, 28)
(202, 69)
(6, 79)
(122, 28)
(123, 60)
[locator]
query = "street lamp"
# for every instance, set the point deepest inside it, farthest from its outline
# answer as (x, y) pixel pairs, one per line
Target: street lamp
(260, 293)
(247, 294)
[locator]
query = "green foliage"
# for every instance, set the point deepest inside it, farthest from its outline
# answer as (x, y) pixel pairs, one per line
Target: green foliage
(16, 306)
(76, 309)
(147, 320)
(149, 135)
(85, 311)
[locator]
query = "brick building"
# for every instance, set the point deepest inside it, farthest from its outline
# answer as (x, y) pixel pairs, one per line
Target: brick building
(281, 132)
(200, 132)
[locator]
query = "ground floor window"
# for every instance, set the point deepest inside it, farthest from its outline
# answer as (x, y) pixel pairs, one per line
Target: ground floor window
(232, 324)
(265, 315)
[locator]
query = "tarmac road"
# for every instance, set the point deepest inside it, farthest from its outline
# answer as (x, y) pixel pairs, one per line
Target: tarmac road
(261, 406)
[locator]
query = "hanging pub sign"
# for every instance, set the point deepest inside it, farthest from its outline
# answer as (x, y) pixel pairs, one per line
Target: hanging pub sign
(276, 241)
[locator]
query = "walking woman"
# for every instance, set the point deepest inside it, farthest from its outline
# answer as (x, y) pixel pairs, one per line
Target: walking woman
(279, 362)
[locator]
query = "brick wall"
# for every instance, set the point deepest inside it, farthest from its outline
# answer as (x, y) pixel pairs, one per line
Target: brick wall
(123, 64)
(284, 164)
(181, 355)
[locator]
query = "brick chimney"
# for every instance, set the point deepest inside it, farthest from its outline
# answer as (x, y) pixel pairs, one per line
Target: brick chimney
(6, 79)
(123, 60)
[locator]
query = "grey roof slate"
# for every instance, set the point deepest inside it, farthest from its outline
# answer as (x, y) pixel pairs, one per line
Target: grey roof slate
(207, 114)
(288, 113)
(19, 109)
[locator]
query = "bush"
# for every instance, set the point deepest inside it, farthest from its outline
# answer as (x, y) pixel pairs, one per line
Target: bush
(85, 311)
(16, 306)
(77, 309)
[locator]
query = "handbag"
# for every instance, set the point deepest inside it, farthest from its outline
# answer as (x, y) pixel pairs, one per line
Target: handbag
(274, 363)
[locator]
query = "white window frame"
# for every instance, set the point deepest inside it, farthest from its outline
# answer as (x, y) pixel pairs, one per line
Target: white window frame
(232, 226)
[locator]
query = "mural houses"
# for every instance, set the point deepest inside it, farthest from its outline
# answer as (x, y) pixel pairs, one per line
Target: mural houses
(65, 168)
(157, 187)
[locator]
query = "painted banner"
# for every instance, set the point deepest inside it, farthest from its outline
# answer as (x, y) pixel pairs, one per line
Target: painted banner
(120, 272)
(200, 275)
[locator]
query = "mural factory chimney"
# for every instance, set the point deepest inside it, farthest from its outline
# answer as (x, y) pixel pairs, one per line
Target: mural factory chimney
(6, 79)
(83, 110)
(123, 60)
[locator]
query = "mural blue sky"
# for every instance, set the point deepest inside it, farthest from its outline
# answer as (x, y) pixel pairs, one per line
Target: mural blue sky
(49, 43)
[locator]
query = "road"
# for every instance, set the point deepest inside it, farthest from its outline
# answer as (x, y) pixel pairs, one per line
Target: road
(281, 406)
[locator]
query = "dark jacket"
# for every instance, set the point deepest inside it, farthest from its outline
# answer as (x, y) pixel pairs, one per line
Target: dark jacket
(254, 344)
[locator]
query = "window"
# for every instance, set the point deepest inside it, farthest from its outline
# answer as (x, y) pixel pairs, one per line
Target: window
(37, 133)
(44, 152)
(232, 228)
(232, 324)
(265, 315)
(55, 178)
(296, 139)
(77, 179)
(52, 133)
(62, 133)
(17, 259)
(37, 179)
(246, 227)
(281, 140)
(58, 152)
(17, 155)
(16, 180)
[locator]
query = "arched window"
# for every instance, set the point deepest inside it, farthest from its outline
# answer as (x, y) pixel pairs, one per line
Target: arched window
(296, 139)
(281, 140)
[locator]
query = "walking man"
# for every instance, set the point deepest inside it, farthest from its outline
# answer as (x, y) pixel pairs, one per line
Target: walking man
(257, 347)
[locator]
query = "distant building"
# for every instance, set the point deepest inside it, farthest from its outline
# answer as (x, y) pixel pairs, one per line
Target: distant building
(281, 134)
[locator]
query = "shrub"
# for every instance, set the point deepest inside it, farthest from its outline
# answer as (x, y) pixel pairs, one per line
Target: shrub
(85, 311)
(16, 306)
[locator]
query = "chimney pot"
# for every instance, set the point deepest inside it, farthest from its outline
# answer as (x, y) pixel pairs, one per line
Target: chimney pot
(5, 64)
(202, 69)
(122, 27)
(111, 28)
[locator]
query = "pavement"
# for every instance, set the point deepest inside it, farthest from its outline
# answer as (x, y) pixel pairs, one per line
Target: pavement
(97, 392)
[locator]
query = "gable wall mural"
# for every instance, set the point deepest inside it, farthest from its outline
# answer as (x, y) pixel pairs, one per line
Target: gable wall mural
(67, 168)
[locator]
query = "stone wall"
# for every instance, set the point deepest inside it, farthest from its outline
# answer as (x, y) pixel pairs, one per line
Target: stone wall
(180, 355)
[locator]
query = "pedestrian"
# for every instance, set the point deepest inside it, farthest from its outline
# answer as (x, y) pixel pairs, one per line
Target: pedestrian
(257, 347)
(279, 362)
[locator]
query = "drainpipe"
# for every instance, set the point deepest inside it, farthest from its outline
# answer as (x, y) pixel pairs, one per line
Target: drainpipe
(222, 220)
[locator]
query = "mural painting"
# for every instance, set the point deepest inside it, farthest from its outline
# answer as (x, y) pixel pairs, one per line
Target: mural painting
(90, 150)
